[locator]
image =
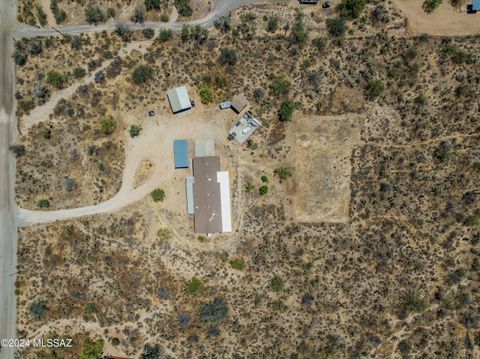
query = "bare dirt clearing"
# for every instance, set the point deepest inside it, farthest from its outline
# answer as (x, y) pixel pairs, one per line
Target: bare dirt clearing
(444, 21)
(323, 147)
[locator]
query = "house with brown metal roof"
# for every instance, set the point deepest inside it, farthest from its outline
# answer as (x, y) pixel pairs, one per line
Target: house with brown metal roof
(211, 196)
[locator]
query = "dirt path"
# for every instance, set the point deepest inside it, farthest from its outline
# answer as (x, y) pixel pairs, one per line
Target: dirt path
(444, 21)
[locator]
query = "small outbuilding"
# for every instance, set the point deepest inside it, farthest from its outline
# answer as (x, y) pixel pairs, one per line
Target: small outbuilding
(179, 100)
(238, 103)
(180, 153)
(476, 5)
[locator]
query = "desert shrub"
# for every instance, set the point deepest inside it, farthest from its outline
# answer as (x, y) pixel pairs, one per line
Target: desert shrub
(152, 352)
(263, 190)
(299, 35)
(164, 18)
(47, 133)
(56, 79)
(374, 89)
(69, 184)
(165, 35)
(420, 100)
(93, 349)
(158, 195)
(264, 179)
(41, 16)
(336, 26)
(285, 113)
(59, 14)
(107, 125)
(153, 4)
(351, 9)
(473, 220)
(26, 105)
(198, 34)
(280, 86)
(134, 130)
(122, 30)
(429, 6)
(249, 187)
(215, 312)
(228, 56)
(111, 12)
(206, 95)
(444, 151)
(223, 23)
(411, 302)
(272, 24)
(320, 43)
(258, 94)
(43, 203)
(183, 7)
(276, 284)
(38, 309)
(138, 15)
(202, 239)
(220, 81)
(94, 15)
(19, 57)
(283, 172)
(164, 233)
(457, 54)
(141, 74)
(76, 42)
(148, 33)
(194, 286)
(237, 264)
(79, 72)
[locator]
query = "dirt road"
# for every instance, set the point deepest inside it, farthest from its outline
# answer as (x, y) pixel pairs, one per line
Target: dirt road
(222, 7)
(8, 228)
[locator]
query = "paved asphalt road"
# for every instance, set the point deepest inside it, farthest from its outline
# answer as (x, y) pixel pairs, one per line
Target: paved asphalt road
(8, 230)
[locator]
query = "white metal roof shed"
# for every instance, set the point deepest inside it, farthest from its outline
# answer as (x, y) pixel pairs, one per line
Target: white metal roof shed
(179, 100)
(224, 179)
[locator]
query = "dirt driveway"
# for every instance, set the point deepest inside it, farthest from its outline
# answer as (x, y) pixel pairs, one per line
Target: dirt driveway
(444, 21)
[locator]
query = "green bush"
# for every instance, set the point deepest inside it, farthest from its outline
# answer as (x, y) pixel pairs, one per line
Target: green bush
(43, 203)
(79, 72)
(38, 309)
(26, 105)
(41, 16)
(19, 57)
(153, 4)
(107, 125)
(351, 9)
(141, 74)
(429, 6)
(138, 15)
(165, 35)
(56, 79)
(134, 130)
(280, 86)
(59, 14)
(272, 24)
(164, 233)
(18, 150)
(285, 113)
(264, 179)
(299, 35)
(194, 286)
(263, 190)
(94, 15)
(374, 89)
(158, 195)
(111, 12)
(183, 7)
(228, 56)
(320, 43)
(276, 284)
(336, 27)
(237, 264)
(148, 33)
(202, 239)
(206, 95)
(93, 349)
(283, 172)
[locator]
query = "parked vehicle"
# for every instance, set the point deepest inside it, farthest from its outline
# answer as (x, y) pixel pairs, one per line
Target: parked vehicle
(225, 105)
(151, 113)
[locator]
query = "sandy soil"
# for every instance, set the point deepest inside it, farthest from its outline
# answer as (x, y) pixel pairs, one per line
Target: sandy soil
(323, 147)
(444, 21)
